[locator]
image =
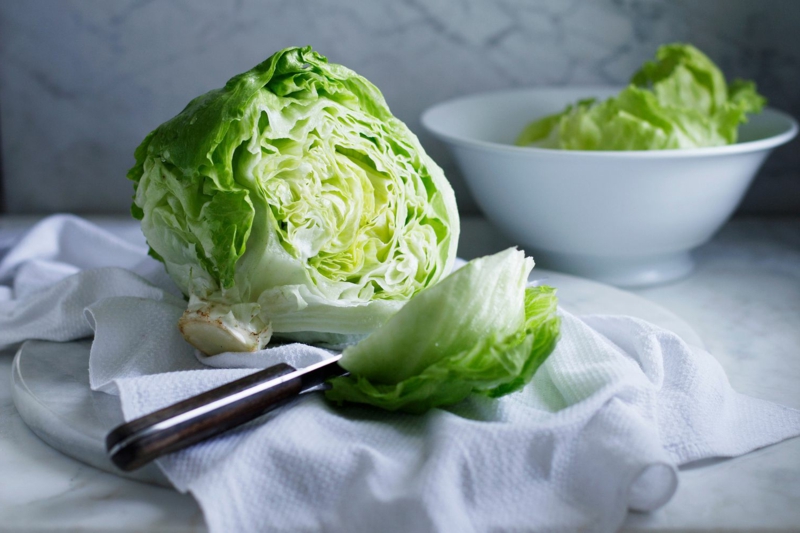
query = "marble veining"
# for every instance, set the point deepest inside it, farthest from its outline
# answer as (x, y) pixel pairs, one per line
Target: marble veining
(82, 82)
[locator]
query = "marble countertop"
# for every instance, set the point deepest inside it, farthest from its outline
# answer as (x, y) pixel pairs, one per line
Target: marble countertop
(743, 300)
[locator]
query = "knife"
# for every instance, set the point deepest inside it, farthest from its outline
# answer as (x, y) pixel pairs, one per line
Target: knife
(175, 427)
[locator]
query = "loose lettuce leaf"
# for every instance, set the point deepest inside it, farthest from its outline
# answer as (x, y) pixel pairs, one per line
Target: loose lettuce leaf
(679, 100)
(479, 330)
(295, 191)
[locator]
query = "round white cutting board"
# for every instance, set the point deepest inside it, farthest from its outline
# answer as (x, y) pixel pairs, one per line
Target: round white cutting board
(51, 379)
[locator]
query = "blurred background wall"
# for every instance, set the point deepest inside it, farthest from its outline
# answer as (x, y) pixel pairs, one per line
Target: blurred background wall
(82, 81)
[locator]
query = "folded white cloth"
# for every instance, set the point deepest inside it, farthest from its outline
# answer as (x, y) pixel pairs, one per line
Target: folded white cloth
(600, 430)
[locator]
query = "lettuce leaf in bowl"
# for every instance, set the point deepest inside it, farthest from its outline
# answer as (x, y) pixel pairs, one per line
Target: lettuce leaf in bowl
(479, 330)
(678, 100)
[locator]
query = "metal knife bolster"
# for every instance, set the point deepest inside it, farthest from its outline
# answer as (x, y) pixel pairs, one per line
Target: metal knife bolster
(313, 375)
(180, 425)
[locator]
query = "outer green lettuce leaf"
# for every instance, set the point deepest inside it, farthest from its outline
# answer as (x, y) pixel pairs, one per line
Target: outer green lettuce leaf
(294, 189)
(683, 77)
(479, 330)
(680, 100)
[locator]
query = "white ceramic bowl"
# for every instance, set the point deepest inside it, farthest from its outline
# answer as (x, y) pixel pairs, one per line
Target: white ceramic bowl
(626, 218)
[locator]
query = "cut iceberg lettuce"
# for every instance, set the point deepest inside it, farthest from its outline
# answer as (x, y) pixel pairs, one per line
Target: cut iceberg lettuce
(479, 330)
(680, 100)
(292, 202)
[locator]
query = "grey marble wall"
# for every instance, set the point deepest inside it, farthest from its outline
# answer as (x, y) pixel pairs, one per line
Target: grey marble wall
(82, 81)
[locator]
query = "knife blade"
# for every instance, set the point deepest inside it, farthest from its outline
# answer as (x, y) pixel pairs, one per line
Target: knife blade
(175, 427)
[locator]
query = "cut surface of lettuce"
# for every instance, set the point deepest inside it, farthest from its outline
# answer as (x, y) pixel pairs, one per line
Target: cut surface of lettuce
(479, 330)
(679, 100)
(292, 201)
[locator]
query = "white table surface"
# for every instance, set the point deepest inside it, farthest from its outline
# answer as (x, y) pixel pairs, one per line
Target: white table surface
(743, 300)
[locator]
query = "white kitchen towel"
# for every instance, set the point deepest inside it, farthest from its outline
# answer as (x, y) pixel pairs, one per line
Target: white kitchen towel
(600, 430)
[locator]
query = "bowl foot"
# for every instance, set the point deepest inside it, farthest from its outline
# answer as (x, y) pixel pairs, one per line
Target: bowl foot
(631, 272)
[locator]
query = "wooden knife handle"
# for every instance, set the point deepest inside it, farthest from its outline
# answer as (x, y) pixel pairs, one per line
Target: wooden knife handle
(178, 426)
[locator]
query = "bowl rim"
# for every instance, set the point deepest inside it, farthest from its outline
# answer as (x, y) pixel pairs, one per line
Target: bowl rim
(730, 149)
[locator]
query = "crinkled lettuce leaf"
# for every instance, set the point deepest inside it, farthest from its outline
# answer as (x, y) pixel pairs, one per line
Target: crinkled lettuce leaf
(679, 100)
(479, 330)
(294, 193)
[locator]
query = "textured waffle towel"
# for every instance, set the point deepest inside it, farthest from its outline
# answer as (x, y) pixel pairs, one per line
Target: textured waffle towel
(600, 430)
